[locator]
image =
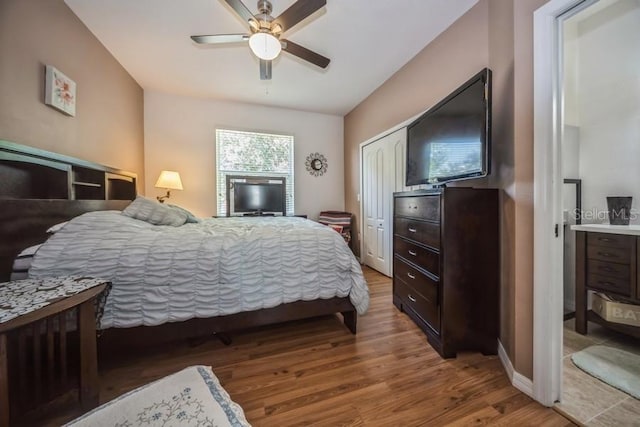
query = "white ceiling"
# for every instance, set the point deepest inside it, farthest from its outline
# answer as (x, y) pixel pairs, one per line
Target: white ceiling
(366, 40)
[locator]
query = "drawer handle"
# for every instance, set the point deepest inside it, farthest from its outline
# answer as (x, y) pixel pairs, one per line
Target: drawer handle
(604, 239)
(606, 268)
(606, 254)
(412, 299)
(412, 230)
(411, 276)
(412, 253)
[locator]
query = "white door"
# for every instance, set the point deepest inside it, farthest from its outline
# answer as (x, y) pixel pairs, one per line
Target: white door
(383, 169)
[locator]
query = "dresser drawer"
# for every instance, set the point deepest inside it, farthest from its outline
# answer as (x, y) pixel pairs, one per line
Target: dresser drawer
(611, 254)
(422, 232)
(610, 240)
(609, 269)
(609, 284)
(419, 281)
(428, 311)
(424, 258)
(424, 207)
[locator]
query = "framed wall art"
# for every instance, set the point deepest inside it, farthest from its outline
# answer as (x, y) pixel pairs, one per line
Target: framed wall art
(59, 91)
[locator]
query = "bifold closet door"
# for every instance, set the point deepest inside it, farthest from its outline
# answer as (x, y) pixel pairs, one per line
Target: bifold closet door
(383, 173)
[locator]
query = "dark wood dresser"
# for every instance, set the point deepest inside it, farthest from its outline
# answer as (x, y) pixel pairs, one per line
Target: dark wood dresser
(446, 266)
(607, 261)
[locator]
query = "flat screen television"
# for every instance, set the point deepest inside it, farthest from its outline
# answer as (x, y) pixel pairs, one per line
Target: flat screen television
(452, 141)
(259, 198)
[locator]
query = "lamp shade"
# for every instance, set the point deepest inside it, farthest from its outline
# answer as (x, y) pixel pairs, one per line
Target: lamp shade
(169, 180)
(265, 46)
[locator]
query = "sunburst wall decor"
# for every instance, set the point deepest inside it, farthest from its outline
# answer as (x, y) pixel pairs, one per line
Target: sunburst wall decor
(316, 164)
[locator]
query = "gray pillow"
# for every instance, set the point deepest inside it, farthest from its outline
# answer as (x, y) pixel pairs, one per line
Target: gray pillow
(191, 218)
(154, 213)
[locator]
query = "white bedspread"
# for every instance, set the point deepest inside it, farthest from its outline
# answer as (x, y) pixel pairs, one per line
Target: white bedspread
(217, 267)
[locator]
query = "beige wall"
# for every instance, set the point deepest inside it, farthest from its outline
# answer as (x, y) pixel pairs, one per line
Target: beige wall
(501, 57)
(180, 135)
(108, 127)
(447, 62)
(497, 34)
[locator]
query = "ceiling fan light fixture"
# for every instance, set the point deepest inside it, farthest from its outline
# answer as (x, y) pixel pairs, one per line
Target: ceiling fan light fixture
(265, 46)
(255, 25)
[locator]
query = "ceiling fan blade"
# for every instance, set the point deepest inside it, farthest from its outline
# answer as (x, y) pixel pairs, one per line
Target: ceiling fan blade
(304, 53)
(297, 12)
(265, 70)
(221, 38)
(240, 9)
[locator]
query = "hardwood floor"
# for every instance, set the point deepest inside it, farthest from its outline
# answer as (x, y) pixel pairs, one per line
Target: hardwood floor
(315, 372)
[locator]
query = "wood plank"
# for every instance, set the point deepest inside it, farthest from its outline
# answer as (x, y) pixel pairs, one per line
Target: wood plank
(62, 348)
(37, 362)
(581, 282)
(89, 383)
(4, 382)
(51, 362)
(22, 364)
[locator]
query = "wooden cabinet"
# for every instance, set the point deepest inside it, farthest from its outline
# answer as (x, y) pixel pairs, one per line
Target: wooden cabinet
(29, 331)
(446, 266)
(606, 261)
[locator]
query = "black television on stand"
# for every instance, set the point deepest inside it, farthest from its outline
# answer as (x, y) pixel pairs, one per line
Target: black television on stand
(452, 140)
(256, 196)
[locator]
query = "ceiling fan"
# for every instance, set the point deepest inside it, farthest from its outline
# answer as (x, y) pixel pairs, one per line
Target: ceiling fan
(264, 39)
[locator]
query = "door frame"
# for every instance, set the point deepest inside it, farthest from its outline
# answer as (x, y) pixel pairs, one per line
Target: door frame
(548, 265)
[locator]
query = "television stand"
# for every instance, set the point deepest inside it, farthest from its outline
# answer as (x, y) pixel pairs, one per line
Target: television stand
(259, 213)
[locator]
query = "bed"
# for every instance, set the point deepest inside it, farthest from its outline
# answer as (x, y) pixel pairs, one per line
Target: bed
(54, 188)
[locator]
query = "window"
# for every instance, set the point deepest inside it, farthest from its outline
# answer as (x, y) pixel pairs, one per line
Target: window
(252, 154)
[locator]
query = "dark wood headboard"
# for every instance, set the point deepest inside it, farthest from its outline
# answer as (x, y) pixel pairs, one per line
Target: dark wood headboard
(39, 189)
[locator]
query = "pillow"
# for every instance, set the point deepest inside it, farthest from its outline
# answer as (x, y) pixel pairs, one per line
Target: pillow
(191, 218)
(22, 263)
(154, 213)
(55, 228)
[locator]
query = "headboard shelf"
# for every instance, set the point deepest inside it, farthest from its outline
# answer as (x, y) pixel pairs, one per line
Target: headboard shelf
(39, 188)
(32, 173)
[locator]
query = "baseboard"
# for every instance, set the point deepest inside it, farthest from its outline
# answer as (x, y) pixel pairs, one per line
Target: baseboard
(506, 363)
(518, 380)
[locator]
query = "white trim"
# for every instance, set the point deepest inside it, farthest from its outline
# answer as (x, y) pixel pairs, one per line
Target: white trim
(548, 268)
(518, 380)
(506, 362)
(522, 383)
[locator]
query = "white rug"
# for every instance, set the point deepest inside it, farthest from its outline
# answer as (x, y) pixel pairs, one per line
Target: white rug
(616, 367)
(192, 397)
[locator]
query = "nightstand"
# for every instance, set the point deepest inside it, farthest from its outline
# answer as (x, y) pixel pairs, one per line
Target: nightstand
(33, 314)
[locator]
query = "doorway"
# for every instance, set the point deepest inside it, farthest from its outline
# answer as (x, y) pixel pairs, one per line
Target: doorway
(586, 138)
(600, 151)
